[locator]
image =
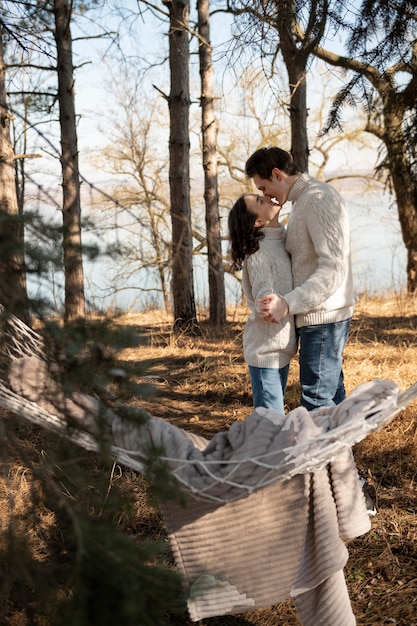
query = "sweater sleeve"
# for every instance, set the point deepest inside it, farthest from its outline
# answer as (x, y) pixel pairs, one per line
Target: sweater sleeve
(327, 227)
(260, 276)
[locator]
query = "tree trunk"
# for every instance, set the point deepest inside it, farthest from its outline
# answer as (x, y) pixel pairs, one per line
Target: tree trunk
(179, 168)
(13, 295)
(211, 194)
(297, 81)
(159, 254)
(71, 209)
(295, 60)
(404, 183)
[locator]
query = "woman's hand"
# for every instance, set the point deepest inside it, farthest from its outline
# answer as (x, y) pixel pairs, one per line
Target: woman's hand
(272, 308)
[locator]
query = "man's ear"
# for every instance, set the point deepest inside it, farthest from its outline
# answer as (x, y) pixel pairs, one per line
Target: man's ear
(277, 172)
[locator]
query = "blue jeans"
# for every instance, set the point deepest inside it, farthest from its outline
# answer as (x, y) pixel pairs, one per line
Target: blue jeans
(320, 357)
(268, 386)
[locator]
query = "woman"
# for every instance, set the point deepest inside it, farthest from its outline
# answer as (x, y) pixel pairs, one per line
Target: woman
(257, 248)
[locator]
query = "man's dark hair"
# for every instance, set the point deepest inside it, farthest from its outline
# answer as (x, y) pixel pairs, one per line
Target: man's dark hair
(263, 161)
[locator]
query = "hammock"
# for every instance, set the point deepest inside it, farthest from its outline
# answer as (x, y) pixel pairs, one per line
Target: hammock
(270, 501)
(251, 455)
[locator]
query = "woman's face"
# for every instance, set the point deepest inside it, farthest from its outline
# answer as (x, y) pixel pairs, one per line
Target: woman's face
(262, 207)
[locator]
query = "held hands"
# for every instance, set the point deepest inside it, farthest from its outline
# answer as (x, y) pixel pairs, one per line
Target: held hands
(272, 308)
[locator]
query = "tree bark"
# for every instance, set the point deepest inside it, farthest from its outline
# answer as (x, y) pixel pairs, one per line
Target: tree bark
(179, 168)
(13, 295)
(295, 61)
(404, 183)
(71, 208)
(211, 195)
(297, 80)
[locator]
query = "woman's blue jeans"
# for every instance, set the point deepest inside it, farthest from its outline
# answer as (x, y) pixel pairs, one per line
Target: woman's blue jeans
(320, 357)
(268, 386)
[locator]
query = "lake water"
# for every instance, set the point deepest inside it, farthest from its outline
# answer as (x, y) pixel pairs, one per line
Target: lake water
(379, 257)
(378, 263)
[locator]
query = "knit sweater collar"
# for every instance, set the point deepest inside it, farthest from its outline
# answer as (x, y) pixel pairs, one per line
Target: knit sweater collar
(298, 187)
(273, 233)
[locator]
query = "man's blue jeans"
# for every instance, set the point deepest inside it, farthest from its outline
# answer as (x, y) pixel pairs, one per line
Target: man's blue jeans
(320, 356)
(268, 386)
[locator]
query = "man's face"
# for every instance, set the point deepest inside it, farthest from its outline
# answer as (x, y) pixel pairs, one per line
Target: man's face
(275, 187)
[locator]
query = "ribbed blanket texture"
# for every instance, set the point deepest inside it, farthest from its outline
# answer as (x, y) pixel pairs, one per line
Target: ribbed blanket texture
(283, 541)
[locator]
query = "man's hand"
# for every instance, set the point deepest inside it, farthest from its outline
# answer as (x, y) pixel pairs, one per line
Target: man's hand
(272, 308)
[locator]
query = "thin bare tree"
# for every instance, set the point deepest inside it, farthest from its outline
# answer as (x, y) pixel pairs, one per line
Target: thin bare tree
(217, 296)
(138, 198)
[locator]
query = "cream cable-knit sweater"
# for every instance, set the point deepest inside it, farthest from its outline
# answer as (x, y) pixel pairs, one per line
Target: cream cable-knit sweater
(318, 240)
(268, 271)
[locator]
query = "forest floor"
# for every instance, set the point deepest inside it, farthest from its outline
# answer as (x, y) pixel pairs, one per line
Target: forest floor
(201, 384)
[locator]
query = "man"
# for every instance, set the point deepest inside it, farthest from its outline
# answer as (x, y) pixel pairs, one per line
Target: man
(322, 300)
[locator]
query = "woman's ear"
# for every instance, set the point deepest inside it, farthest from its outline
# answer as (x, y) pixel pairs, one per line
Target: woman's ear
(259, 223)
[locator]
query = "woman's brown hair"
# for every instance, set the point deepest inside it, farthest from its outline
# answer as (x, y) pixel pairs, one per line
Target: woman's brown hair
(243, 234)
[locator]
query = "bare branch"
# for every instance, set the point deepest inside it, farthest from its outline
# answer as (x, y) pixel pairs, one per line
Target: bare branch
(26, 156)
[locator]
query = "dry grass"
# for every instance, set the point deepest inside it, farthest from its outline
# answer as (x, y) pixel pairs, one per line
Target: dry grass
(202, 384)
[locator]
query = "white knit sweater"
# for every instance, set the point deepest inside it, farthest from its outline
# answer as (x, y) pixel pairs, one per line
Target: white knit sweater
(318, 240)
(268, 271)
